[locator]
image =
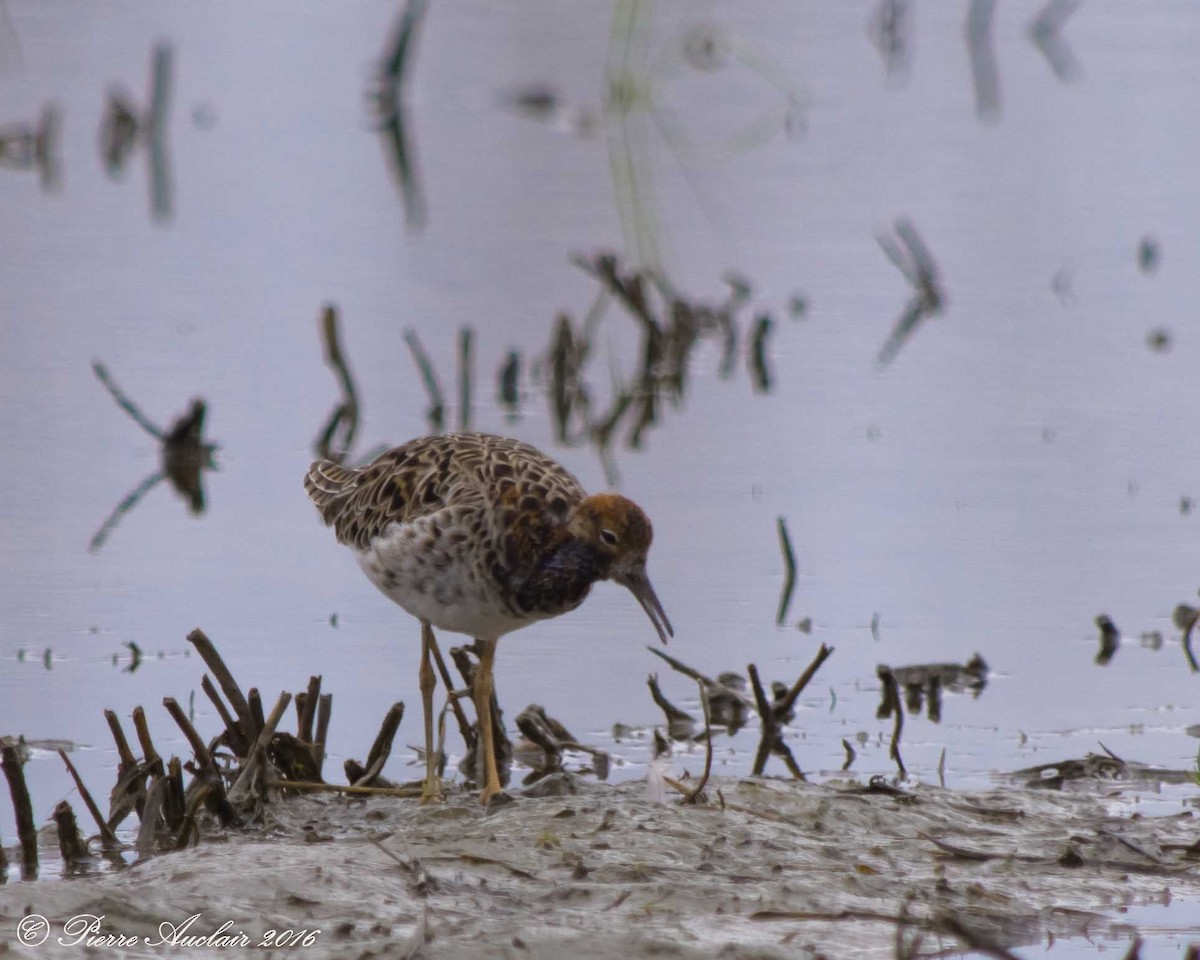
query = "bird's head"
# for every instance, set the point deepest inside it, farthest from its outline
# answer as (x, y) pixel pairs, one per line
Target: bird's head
(620, 532)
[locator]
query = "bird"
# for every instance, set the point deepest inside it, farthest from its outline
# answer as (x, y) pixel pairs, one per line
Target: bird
(482, 535)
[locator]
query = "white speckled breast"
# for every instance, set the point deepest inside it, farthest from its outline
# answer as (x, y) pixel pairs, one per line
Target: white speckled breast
(417, 566)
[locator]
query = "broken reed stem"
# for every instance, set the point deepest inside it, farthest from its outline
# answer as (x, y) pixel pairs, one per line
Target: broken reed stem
(407, 791)
(381, 749)
(309, 710)
(465, 350)
(199, 749)
(254, 699)
(10, 762)
(464, 725)
(189, 828)
(259, 751)
(106, 835)
(789, 571)
(785, 705)
(681, 667)
(143, 734)
(324, 709)
(124, 402)
(233, 733)
(436, 414)
(152, 814)
(892, 695)
(347, 411)
(850, 754)
(212, 659)
(127, 759)
(766, 718)
(694, 796)
(70, 844)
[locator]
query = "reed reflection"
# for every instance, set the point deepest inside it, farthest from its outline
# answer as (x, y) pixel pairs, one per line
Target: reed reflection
(912, 258)
(184, 456)
(125, 127)
(34, 145)
(387, 95)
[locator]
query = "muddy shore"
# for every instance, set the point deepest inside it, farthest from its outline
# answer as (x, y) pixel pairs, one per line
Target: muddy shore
(766, 869)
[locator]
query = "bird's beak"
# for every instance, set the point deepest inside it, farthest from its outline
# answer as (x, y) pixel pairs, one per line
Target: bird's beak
(637, 583)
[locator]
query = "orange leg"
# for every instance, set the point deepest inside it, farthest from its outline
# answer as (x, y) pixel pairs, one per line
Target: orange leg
(483, 710)
(433, 785)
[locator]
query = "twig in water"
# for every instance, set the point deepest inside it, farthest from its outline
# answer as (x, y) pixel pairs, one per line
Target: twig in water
(436, 414)
(234, 736)
(70, 844)
(11, 763)
(344, 417)
(789, 571)
(233, 692)
(892, 706)
(149, 754)
(125, 403)
(258, 752)
(106, 835)
(694, 796)
(465, 350)
(382, 747)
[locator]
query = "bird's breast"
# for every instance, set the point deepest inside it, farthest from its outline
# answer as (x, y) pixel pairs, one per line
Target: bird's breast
(431, 576)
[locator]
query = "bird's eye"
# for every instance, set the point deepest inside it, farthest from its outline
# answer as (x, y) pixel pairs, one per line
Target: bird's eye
(608, 537)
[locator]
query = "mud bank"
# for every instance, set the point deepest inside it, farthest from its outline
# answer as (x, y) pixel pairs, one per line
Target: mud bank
(767, 869)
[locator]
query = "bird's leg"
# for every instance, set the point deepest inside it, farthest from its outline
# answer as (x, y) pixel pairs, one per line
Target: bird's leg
(433, 785)
(483, 711)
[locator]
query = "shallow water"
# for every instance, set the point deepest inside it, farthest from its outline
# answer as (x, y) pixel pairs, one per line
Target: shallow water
(1023, 464)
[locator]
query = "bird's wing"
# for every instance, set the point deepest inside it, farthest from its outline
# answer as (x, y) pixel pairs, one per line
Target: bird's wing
(513, 480)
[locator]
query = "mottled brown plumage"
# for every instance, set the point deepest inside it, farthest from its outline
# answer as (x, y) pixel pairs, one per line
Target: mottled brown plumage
(482, 535)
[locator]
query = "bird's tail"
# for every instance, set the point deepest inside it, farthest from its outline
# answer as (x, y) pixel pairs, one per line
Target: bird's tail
(328, 485)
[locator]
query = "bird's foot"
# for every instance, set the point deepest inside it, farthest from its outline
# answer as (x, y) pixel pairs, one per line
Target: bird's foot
(494, 797)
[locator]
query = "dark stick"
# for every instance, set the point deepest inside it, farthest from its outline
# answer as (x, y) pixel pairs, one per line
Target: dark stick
(10, 762)
(258, 752)
(708, 747)
(436, 414)
(382, 747)
(124, 402)
(199, 749)
(763, 706)
(531, 723)
(300, 700)
(465, 338)
(789, 571)
(464, 725)
(347, 411)
(309, 711)
(70, 844)
(324, 709)
(174, 801)
(785, 705)
(106, 834)
(123, 752)
(128, 502)
(254, 702)
(233, 733)
(149, 754)
(152, 816)
(680, 724)
(229, 686)
(682, 667)
(892, 695)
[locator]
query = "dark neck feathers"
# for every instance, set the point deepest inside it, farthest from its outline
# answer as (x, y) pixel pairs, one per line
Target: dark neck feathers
(561, 579)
